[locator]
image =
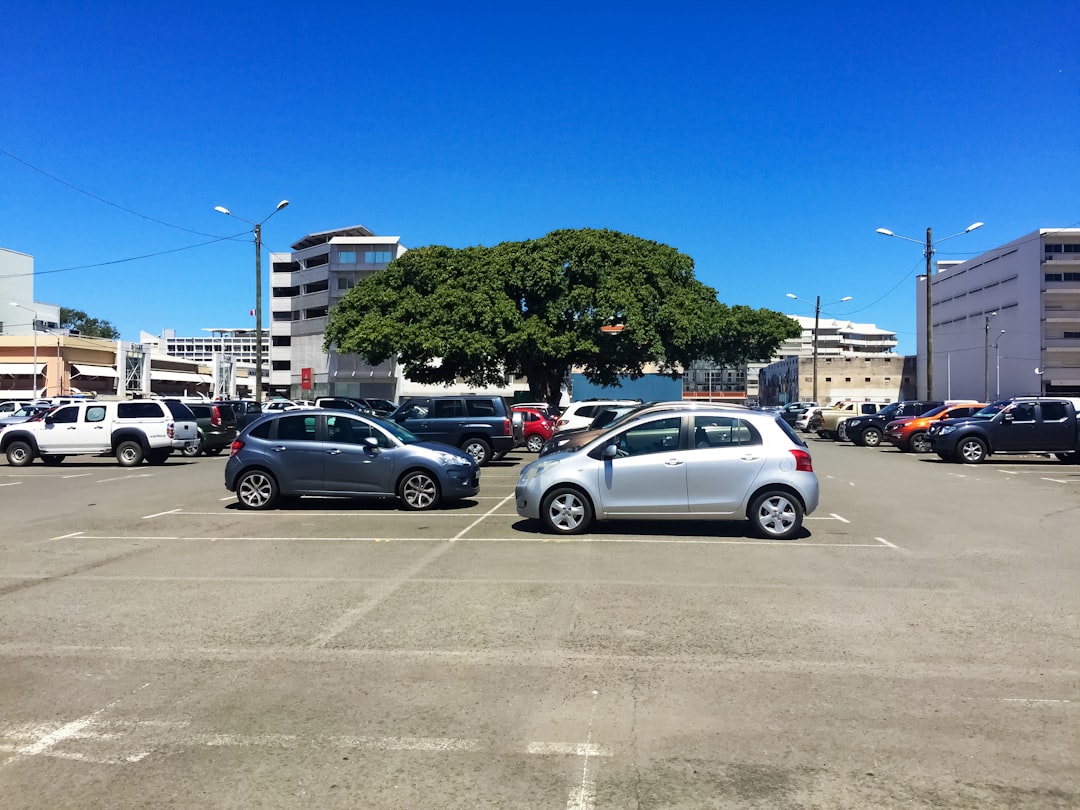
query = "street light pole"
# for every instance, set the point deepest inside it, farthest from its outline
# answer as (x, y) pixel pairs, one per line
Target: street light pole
(928, 252)
(997, 364)
(986, 354)
(33, 326)
(817, 320)
(258, 288)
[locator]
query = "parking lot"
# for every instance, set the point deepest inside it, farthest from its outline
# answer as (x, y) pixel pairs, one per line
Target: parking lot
(915, 646)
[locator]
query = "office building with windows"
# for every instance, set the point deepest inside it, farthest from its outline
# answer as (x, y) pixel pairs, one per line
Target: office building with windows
(305, 283)
(1006, 322)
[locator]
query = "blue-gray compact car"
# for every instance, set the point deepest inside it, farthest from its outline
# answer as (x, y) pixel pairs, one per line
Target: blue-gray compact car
(332, 453)
(698, 463)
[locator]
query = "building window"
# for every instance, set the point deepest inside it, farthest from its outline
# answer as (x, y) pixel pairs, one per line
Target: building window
(1072, 336)
(317, 286)
(866, 379)
(847, 379)
(828, 379)
(316, 312)
(377, 257)
(346, 257)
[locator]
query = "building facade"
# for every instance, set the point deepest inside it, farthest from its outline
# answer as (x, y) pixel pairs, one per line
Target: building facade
(1006, 322)
(305, 284)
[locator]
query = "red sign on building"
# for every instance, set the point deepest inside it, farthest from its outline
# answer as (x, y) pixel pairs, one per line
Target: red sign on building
(305, 379)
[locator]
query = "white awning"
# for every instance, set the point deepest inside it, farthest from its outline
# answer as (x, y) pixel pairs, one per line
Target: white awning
(168, 375)
(84, 370)
(20, 369)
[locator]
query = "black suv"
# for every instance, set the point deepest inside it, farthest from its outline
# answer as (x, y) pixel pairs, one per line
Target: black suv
(480, 425)
(867, 430)
(245, 410)
(217, 428)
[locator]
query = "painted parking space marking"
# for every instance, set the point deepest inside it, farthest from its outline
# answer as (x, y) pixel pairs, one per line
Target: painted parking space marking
(1057, 480)
(125, 477)
(883, 541)
(11, 484)
(837, 517)
(77, 475)
(159, 514)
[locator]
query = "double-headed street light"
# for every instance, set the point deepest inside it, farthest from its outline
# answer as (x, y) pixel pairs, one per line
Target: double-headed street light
(258, 288)
(817, 318)
(34, 327)
(928, 252)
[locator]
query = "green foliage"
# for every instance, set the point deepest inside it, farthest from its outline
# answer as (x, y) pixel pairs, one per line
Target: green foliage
(535, 309)
(86, 326)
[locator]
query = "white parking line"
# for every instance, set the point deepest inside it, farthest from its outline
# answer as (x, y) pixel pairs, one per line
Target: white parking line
(1057, 480)
(125, 478)
(886, 542)
(77, 475)
(11, 484)
(841, 519)
(159, 514)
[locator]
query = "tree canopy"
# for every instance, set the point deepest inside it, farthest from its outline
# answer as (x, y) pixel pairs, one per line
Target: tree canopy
(536, 308)
(79, 321)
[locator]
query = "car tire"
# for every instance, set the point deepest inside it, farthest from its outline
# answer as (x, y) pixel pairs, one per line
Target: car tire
(919, 442)
(946, 456)
(419, 490)
(213, 451)
(51, 460)
(479, 449)
(19, 454)
(193, 449)
(823, 434)
(1068, 458)
(971, 451)
(129, 453)
(776, 515)
(566, 510)
(871, 437)
(535, 443)
(256, 489)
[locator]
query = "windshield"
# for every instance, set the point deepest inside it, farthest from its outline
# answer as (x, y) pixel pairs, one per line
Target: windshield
(889, 409)
(397, 431)
(993, 409)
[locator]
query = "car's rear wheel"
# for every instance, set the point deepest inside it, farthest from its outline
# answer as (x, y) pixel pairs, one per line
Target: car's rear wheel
(776, 515)
(159, 457)
(972, 451)
(193, 449)
(419, 490)
(19, 454)
(871, 437)
(129, 453)
(479, 450)
(535, 443)
(566, 510)
(919, 442)
(256, 489)
(51, 459)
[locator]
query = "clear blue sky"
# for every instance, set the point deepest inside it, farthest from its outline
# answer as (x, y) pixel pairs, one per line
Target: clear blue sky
(765, 141)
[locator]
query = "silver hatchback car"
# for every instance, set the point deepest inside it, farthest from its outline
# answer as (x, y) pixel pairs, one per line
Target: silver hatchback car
(697, 464)
(333, 453)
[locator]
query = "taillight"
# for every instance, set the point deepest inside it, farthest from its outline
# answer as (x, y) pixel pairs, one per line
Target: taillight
(508, 428)
(170, 431)
(802, 460)
(237, 446)
(215, 416)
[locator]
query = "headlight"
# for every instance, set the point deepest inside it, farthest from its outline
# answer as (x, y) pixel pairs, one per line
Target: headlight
(535, 469)
(450, 460)
(854, 422)
(946, 429)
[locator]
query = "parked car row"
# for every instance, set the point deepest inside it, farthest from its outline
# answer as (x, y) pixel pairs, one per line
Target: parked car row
(967, 432)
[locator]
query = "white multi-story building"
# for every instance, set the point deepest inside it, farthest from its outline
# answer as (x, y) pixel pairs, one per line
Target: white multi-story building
(838, 338)
(305, 283)
(1008, 321)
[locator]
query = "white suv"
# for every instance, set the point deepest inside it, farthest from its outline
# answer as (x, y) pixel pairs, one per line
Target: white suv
(131, 430)
(579, 415)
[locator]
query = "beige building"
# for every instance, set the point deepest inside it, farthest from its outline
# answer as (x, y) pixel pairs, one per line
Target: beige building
(882, 379)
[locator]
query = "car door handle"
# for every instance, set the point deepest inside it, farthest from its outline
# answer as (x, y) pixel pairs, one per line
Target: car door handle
(749, 457)
(280, 448)
(673, 462)
(334, 452)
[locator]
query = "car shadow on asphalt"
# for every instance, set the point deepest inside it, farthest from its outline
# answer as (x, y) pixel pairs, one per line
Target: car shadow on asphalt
(660, 530)
(316, 503)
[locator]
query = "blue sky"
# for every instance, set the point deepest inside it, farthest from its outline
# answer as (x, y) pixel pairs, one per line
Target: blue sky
(766, 143)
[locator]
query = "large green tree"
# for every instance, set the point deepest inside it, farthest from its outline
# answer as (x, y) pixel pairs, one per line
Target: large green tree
(79, 321)
(536, 309)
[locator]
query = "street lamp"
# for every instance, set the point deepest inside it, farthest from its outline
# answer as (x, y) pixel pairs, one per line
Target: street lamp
(986, 353)
(997, 364)
(928, 252)
(817, 318)
(34, 327)
(258, 288)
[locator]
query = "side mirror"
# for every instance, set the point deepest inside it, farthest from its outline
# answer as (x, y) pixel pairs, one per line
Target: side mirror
(609, 451)
(1007, 416)
(48, 419)
(371, 443)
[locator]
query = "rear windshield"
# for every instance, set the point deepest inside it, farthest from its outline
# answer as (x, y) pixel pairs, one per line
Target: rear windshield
(790, 431)
(139, 410)
(180, 411)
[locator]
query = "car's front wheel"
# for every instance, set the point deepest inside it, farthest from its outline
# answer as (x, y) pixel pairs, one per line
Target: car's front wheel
(193, 449)
(479, 450)
(776, 515)
(51, 459)
(972, 451)
(19, 454)
(566, 510)
(919, 442)
(871, 437)
(256, 489)
(418, 491)
(535, 443)
(159, 457)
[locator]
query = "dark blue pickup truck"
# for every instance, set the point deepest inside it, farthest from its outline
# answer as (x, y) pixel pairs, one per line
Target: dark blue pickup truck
(1019, 425)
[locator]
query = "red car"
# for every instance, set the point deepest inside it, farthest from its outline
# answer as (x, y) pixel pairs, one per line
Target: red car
(539, 427)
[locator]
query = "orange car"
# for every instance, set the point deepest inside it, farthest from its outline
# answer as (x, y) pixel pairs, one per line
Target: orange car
(910, 433)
